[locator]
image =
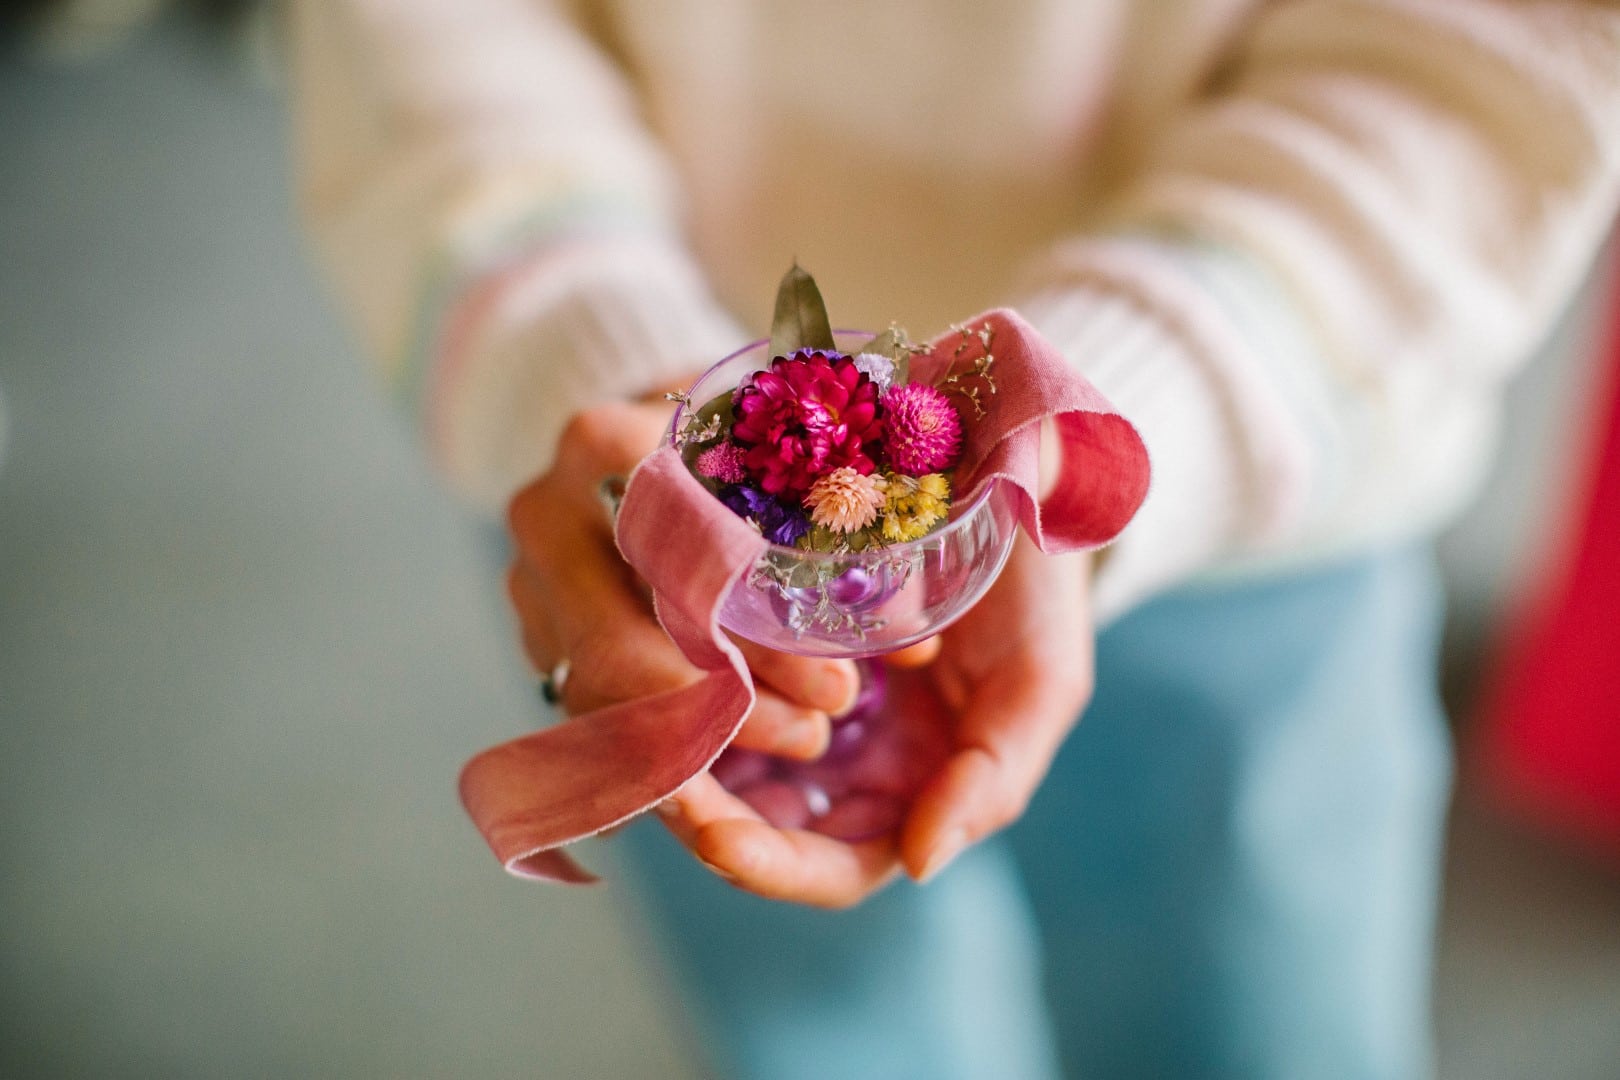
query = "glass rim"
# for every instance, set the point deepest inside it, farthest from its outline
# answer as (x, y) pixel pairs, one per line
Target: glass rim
(959, 519)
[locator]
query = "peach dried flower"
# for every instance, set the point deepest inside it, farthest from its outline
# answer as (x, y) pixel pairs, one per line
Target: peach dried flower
(845, 500)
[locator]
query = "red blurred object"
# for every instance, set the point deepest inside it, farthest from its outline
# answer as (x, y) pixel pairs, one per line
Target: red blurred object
(1550, 742)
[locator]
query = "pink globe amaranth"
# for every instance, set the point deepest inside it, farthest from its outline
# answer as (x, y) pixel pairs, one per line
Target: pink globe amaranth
(809, 414)
(724, 462)
(923, 432)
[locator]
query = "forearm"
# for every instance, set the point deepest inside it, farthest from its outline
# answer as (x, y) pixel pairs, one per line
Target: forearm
(1316, 283)
(507, 244)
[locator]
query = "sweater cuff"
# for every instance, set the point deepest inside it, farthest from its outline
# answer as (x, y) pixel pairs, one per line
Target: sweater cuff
(1138, 319)
(553, 333)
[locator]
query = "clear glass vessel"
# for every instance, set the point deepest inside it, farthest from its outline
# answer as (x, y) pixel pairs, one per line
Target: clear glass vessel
(860, 605)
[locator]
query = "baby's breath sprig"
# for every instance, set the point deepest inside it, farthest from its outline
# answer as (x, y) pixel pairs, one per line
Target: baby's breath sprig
(704, 424)
(978, 381)
(903, 342)
(683, 401)
(699, 430)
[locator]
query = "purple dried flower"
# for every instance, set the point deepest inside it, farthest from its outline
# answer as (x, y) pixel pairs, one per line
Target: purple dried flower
(780, 522)
(877, 367)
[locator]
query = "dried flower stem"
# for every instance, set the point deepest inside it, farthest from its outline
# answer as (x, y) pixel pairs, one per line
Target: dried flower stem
(976, 382)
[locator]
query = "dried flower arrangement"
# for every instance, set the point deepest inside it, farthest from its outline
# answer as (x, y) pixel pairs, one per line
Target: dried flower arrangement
(831, 451)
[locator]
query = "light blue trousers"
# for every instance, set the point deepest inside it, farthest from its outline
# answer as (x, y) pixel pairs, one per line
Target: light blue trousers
(1230, 872)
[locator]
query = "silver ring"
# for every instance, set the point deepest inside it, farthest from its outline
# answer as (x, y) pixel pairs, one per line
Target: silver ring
(552, 683)
(611, 492)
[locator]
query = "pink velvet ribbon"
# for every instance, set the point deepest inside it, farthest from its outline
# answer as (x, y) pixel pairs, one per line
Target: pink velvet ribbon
(532, 796)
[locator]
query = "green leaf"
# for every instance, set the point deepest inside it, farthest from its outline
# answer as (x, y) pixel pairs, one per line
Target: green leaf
(894, 344)
(800, 321)
(805, 576)
(821, 538)
(795, 573)
(703, 428)
(885, 344)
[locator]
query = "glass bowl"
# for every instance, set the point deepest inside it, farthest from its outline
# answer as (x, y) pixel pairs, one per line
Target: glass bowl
(869, 602)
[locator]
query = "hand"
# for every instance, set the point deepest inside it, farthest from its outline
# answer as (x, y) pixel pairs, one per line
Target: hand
(1016, 670)
(1014, 675)
(577, 599)
(797, 865)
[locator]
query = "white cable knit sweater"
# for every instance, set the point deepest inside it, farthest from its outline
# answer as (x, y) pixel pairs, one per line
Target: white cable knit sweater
(1300, 244)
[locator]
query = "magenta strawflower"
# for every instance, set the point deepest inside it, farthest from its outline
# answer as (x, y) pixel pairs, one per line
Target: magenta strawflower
(923, 432)
(811, 413)
(723, 462)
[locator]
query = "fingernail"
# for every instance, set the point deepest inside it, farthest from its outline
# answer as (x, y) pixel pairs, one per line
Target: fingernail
(948, 848)
(836, 687)
(806, 735)
(669, 808)
(721, 871)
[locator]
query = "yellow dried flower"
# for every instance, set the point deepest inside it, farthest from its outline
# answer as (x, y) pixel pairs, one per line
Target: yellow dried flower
(844, 500)
(915, 505)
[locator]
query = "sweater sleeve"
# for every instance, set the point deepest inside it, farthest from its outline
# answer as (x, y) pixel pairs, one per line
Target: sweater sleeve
(1310, 291)
(496, 218)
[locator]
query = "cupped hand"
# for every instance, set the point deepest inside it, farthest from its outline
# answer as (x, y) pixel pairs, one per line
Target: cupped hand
(1015, 673)
(577, 599)
(1012, 676)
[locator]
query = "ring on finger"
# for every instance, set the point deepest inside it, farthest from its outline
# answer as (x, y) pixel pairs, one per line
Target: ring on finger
(552, 682)
(611, 493)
